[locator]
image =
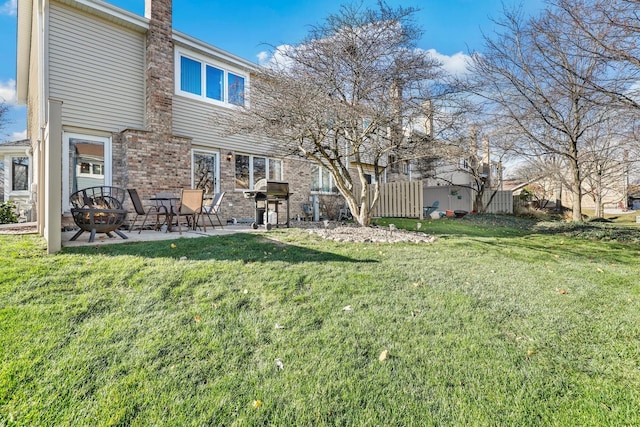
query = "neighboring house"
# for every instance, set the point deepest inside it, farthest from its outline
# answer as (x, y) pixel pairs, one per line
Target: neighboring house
(15, 175)
(451, 181)
(549, 192)
(119, 99)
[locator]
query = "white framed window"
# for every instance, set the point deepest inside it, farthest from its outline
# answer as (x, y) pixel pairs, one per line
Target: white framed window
(203, 79)
(250, 169)
(87, 164)
(205, 171)
(19, 175)
(322, 181)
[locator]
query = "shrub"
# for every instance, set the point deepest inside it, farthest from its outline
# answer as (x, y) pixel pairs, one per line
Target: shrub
(8, 213)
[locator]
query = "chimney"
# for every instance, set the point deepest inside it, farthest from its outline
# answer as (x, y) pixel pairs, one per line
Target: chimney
(486, 155)
(159, 68)
(428, 124)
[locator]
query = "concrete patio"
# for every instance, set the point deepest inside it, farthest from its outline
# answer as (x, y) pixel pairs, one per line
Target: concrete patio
(144, 236)
(151, 235)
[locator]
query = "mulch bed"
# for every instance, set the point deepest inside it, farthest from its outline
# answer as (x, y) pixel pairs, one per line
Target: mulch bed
(23, 228)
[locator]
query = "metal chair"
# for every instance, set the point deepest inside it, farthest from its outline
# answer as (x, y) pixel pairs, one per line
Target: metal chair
(140, 210)
(428, 210)
(191, 208)
(214, 208)
(307, 211)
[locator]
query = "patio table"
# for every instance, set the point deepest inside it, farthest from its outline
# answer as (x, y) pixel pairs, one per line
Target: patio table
(169, 208)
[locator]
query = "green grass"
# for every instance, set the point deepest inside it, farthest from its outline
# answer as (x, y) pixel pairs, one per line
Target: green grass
(499, 322)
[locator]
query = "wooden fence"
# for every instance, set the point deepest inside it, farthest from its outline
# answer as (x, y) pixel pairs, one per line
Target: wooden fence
(399, 199)
(502, 202)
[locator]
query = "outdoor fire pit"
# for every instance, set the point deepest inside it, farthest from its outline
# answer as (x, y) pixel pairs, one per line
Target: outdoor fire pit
(460, 213)
(98, 210)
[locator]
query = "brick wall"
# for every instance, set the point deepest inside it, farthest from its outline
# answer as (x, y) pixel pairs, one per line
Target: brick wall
(234, 205)
(154, 160)
(159, 67)
(149, 165)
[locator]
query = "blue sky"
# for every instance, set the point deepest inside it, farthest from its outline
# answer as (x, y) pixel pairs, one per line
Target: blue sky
(247, 28)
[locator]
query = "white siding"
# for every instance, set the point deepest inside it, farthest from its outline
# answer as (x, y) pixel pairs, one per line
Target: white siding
(200, 121)
(97, 70)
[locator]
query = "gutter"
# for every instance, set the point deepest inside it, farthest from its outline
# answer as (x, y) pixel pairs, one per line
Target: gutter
(23, 56)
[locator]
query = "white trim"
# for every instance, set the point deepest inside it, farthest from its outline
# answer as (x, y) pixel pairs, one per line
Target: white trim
(10, 194)
(212, 51)
(108, 162)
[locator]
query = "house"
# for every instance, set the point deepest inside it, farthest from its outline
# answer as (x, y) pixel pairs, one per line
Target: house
(15, 176)
(114, 98)
(455, 177)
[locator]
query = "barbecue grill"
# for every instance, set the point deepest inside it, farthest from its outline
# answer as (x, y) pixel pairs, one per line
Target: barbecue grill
(268, 196)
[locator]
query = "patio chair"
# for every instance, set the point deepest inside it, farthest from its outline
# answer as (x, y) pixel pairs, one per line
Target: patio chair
(307, 211)
(190, 208)
(141, 210)
(213, 208)
(428, 210)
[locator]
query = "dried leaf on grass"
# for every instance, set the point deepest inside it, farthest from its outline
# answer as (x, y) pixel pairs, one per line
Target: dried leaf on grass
(279, 364)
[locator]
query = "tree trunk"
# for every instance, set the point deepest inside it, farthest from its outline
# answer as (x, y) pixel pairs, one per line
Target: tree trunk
(576, 191)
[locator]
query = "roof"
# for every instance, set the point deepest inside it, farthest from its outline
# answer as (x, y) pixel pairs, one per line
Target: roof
(15, 146)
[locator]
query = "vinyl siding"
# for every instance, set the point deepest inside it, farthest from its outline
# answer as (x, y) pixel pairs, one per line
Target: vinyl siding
(197, 119)
(97, 70)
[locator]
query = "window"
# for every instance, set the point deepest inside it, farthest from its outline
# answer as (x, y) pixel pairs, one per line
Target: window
(236, 89)
(215, 83)
(275, 170)
(205, 171)
(19, 174)
(392, 162)
(207, 81)
(250, 169)
(191, 76)
(322, 181)
(87, 163)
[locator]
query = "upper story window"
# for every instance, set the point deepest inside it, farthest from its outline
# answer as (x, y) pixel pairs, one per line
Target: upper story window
(208, 81)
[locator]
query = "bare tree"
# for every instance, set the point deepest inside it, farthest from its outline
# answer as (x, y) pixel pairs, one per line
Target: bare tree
(610, 29)
(613, 29)
(535, 76)
(4, 109)
(545, 177)
(345, 96)
(605, 161)
(471, 161)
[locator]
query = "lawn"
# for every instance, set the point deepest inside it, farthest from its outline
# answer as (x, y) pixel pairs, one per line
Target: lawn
(499, 322)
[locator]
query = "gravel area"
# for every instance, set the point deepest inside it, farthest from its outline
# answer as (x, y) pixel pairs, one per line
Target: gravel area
(352, 233)
(24, 228)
